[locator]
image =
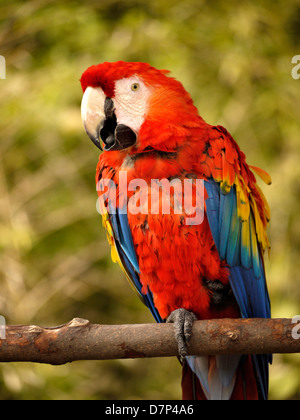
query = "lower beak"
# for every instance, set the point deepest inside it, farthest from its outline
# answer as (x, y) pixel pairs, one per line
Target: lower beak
(100, 122)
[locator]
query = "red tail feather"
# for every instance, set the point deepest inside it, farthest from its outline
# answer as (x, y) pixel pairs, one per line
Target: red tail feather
(245, 384)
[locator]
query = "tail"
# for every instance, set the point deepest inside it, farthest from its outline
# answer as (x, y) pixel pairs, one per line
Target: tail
(222, 377)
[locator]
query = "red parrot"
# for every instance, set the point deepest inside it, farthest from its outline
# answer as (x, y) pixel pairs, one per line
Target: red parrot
(210, 269)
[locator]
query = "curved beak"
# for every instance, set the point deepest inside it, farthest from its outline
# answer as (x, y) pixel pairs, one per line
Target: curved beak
(92, 113)
(100, 122)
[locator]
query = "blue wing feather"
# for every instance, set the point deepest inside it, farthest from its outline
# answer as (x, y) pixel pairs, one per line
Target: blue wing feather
(247, 276)
(123, 236)
(246, 250)
(213, 209)
(233, 234)
(226, 206)
(125, 247)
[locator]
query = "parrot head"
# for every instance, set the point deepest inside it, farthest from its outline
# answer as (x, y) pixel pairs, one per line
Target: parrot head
(133, 105)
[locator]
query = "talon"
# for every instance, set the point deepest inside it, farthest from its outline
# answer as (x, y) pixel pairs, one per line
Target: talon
(183, 323)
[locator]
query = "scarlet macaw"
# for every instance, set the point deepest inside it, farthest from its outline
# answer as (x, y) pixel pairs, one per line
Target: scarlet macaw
(150, 129)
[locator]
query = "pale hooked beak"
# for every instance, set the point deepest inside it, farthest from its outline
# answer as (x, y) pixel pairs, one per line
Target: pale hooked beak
(92, 113)
(100, 122)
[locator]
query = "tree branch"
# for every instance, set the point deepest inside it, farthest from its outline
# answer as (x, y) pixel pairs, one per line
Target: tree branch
(80, 340)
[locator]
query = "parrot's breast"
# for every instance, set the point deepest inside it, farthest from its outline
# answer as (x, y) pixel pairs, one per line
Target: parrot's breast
(178, 262)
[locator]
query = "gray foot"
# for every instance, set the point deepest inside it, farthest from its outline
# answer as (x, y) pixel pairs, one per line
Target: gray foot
(183, 323)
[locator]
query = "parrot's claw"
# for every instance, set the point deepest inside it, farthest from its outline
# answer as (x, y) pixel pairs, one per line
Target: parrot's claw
(183, 323)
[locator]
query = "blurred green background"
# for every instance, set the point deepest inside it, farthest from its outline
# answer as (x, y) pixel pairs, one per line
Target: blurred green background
(235, 59)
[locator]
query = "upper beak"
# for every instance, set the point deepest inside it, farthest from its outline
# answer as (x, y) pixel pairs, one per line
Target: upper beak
(92, 113)
(100, 121)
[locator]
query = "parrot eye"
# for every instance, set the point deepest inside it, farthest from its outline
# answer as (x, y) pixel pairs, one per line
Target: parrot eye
(135, 87)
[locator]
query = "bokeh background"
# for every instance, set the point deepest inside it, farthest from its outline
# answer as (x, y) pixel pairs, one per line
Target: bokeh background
(235, 59)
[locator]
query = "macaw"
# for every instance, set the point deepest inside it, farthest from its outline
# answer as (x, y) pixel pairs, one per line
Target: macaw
(151, 130)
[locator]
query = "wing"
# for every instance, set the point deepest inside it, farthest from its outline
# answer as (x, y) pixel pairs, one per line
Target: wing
(238, 214)
(123, 252)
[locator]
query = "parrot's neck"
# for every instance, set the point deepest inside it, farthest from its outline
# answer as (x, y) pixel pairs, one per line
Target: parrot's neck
(176, 155)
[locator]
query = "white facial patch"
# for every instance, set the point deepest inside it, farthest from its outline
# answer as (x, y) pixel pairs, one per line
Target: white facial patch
(131, 102)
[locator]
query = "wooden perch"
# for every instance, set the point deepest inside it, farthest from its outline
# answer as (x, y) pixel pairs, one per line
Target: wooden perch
(80, 340)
